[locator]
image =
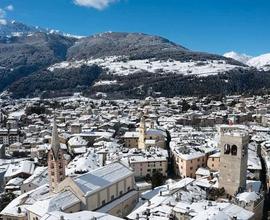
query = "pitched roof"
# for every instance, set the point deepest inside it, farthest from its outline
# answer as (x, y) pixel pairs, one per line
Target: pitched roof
(102, 177)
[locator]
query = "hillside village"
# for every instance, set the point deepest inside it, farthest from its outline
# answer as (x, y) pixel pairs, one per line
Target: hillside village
(158, 158)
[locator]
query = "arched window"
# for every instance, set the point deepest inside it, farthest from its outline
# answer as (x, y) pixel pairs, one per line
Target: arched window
(234, 150)
(227, 149)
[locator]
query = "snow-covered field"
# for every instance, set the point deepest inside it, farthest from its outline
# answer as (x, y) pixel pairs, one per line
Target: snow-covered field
(105, 82)
(116, 65)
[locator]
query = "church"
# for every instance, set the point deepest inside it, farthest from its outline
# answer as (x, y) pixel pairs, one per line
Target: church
(109, 189)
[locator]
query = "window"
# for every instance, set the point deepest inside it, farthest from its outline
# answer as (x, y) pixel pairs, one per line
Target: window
(213, 159)
(128, 188)
(103, 202)
(234, 150)
(121, 192)
(227, 149)
(191, 168)
(198, 159)
(112, 197)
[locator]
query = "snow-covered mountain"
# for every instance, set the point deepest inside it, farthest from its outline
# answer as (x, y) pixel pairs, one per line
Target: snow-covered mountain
(46, 62)
(243, 58)
(14, 28)
(260, 62)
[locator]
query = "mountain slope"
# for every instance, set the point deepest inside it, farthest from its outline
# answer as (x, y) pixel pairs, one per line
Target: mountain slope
(117, 65)
(23, 55)
(136, 46)
(128, 61)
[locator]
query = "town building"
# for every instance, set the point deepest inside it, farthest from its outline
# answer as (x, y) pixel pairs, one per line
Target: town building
(233, 158)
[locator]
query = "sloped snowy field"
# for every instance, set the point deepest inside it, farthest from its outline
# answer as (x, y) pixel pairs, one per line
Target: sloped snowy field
(121, 67)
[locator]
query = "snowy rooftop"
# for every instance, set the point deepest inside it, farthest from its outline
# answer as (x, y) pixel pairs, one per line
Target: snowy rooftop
(39, 177)
(21, 167)
(83, 215)
(102, 177)
(55, 202)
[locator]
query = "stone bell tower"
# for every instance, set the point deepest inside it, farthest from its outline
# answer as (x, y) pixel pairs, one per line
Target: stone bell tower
(142, 128)
(56, 162)
(233, 158)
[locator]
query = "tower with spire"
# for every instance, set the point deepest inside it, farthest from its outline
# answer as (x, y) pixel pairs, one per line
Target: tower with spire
(56, 162)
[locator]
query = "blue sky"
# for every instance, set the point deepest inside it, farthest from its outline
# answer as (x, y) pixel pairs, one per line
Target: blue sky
(215, 26)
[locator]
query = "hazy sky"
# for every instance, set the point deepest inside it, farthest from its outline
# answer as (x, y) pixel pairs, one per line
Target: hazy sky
(215, 26)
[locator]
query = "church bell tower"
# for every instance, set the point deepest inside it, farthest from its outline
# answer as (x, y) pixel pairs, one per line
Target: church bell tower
(56, 162)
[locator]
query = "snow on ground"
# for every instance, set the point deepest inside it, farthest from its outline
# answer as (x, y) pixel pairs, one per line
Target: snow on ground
(105, 82)
(116, 65)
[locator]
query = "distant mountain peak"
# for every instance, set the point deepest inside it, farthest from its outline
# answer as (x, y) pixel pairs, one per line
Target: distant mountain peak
(260, 62)
(15, 28)
(243, 58)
